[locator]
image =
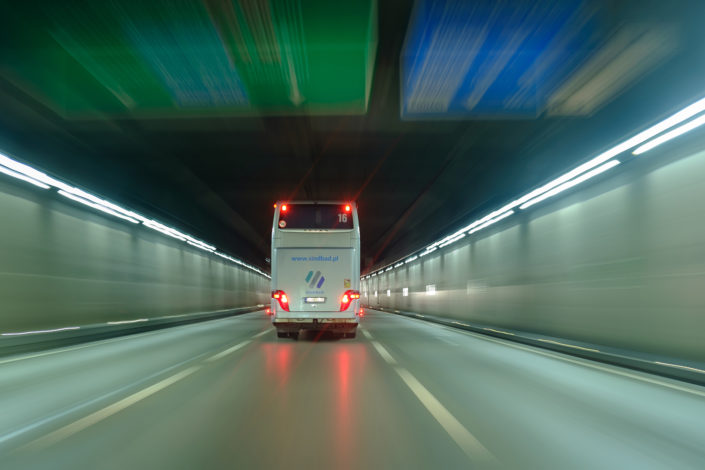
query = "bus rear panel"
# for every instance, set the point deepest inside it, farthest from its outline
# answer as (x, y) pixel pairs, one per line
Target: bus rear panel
(315, 267)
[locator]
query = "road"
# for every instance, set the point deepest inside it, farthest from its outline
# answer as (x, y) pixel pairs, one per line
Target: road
(403, 394)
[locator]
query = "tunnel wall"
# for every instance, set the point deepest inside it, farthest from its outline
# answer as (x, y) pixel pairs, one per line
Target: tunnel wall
(620, 263)
(61, 265)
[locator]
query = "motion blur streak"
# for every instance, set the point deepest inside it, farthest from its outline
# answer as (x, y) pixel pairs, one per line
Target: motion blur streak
(62, 266)
(345, 415)
(694, 124)
(342, 404)
(581, 173)
(616, 264)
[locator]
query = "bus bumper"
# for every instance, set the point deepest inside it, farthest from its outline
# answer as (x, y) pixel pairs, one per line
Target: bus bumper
(329, 324)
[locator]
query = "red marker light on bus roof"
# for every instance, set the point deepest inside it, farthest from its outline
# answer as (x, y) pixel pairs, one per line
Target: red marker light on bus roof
(284, 207)
(347, 207)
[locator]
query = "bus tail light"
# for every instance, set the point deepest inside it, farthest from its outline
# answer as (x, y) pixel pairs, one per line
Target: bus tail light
(347, 299)
(282, 298)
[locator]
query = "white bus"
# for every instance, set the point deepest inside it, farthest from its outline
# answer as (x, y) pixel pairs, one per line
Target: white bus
(315, 268)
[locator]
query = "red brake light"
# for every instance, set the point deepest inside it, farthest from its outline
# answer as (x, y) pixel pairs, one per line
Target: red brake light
(347, 299)
(282, 298)
(362, 312)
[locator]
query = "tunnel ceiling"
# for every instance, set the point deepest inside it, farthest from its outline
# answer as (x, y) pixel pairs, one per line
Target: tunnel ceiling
(205, 113)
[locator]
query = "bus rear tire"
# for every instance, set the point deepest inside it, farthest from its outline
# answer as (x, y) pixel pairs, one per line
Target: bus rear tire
(294, 335)
(282, 334)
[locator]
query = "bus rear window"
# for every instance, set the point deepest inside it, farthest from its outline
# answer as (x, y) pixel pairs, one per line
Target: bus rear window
(315, 216)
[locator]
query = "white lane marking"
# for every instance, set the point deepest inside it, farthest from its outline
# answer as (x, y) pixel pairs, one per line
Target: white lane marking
(585, 363)
(83, 346)
(367, 334)
(79, 407)
(93, 418)
(103, 341)
(126, 322)
(48, 353)
(615, 370)
(492, 329)
(262, 333)
(467, 442)
(38, 332)
(384, 353)
(694, 369)
(228, 351)
(567, 345)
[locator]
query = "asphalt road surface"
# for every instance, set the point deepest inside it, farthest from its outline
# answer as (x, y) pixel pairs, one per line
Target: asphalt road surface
(403, 394)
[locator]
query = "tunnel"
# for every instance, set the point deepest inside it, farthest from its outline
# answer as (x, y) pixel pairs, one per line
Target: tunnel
(374, 234)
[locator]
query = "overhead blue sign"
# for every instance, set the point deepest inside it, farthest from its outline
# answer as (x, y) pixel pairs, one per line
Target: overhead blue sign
(489, 58)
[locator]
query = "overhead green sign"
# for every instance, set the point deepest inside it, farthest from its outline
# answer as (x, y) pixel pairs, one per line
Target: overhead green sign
(185, 58)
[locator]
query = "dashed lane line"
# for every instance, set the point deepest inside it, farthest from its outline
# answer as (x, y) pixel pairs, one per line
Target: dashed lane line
(616, 370)
(384, 353)
(222, 354)
(93, 418)
(459, 433)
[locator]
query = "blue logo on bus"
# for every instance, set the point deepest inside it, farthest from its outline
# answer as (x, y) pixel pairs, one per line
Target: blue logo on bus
(317, 280)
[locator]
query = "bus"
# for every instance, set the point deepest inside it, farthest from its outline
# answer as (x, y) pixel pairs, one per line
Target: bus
(315, 268)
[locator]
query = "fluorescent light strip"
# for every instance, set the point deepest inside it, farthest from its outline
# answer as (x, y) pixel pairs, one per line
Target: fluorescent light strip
(428, 250)
(230, 258)
(97, 206)
(175, 233)
(389, 268)
(102, 202)
(47, 180)
(22, 177)
(24, 172)
(452, 240)
(490, 222)
(398, 265)
(199, 242)
(29, 171)
(41, 331)
(571, 183)
(202, 247)
(641, 137)
(161, 228)
(413, 258)
(689, 126)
